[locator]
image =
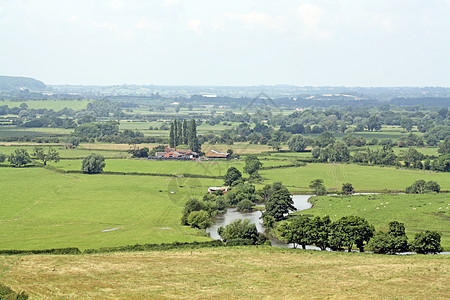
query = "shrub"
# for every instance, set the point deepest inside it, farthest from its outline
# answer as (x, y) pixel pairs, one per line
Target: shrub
(93, 164)
(427, 242)
(245, 206)
(199, 219)
(7, 293)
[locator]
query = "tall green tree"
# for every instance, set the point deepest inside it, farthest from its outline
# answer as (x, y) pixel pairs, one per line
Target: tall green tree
(233, 175)
(172, 136)
(193, 142)
(318, 187)
(252, 164)
(19, 158)
(185, 132)
(278, 205)
(427, 242)
(297, 143)
(93, 164)
(349, 231)
(179, 132)
(51, 155)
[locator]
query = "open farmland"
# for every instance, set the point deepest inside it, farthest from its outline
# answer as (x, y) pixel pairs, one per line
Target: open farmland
(363, 178)
(44, 209)
(229, 273)
(417, 212)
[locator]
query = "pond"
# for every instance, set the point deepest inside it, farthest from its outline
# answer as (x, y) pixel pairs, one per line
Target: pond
(300, 203)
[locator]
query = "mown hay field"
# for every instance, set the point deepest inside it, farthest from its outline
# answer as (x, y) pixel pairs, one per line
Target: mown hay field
(229, 273)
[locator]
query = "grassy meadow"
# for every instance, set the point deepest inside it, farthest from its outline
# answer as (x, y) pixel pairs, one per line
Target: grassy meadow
(49, 104)
(44, 209)
(418, 212)
(363, 178)
(229, 273)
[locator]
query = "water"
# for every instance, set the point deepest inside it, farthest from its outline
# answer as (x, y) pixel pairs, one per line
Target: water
(300, 203)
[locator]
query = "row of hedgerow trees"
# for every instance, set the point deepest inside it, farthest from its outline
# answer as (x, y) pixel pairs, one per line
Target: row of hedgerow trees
(91, 164)
(351, 231)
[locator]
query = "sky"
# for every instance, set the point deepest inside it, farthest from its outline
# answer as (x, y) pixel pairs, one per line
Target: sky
(227, 43)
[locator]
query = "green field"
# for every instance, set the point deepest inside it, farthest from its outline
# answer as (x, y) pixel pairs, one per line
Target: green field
(49, 104)
(204, 168)
(418, 212)
(64, 153)
(363, 178)
(43, 209)
(229, 273)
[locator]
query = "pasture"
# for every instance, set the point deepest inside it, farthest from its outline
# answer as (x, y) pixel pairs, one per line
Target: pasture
(418, 212)
(363, 178)
(229, 273)
(44, 209)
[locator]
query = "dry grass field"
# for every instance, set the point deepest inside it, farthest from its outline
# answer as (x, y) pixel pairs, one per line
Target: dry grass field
(227, 273)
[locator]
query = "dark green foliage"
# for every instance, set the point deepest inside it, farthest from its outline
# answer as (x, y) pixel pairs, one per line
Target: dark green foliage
(318, 187)
(2, 157)
(159, 148)
(412, 158)
(245, 206)
(347, 188)
(297, 143)
(156, 247)
(51, 155)
(96, 130)
(56, 251)
(7, 293)
(144, 152)
(421, 187)
(93, 164)
(391, 242)
(19, 158)
(349, 231)
(232, 176)
(442, 163)
(427, 242)
(296, 231)
(193, 204)
(252, 164)
(325, 139)
(193, 142)
(444, 146)
(278, 204)
(337, 152)
(242, 191)
(240, 232)
(199, 219)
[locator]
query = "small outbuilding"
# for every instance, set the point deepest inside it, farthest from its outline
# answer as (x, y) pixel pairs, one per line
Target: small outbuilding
(217, 154)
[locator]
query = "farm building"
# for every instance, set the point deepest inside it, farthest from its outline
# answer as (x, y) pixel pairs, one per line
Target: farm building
(217, 154)
(215, 189)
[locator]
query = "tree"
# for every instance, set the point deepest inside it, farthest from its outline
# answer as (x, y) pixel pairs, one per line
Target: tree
(192, 137)
(421, 187)
(427, 242)
(245, 206)
(318, 187)
(179, 132)
(393, 241)
(347, 188)
(51, 155)
(239, 229)
(199, 219)
(172, 136)
(444, 146)
(296, 231)
(252, 164)
(297, 143)
(279, 204)
(93, 164)
(325, 139)
(373, 123)
(2, 157)
(185, 132)
(192, 204)
(19, 158)
(233, 175)
(349, 231)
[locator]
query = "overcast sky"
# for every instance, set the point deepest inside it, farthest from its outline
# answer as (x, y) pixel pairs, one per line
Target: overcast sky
(229, 42)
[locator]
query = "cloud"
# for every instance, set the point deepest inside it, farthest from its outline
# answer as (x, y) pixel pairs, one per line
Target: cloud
(310, 17)
(169, 2)
(146, 24)
(116, 4)
(194, 25)
(383, 22)
(252, 19)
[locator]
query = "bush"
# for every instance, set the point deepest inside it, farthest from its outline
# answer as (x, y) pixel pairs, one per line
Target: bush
(93, 164)
(239, 229)
(245, 206)
(199, 219)
(427, 242)
(2, 157)
(421, 187)
(19, 158)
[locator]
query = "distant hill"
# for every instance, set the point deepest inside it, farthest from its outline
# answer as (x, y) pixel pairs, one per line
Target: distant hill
(9, 83)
